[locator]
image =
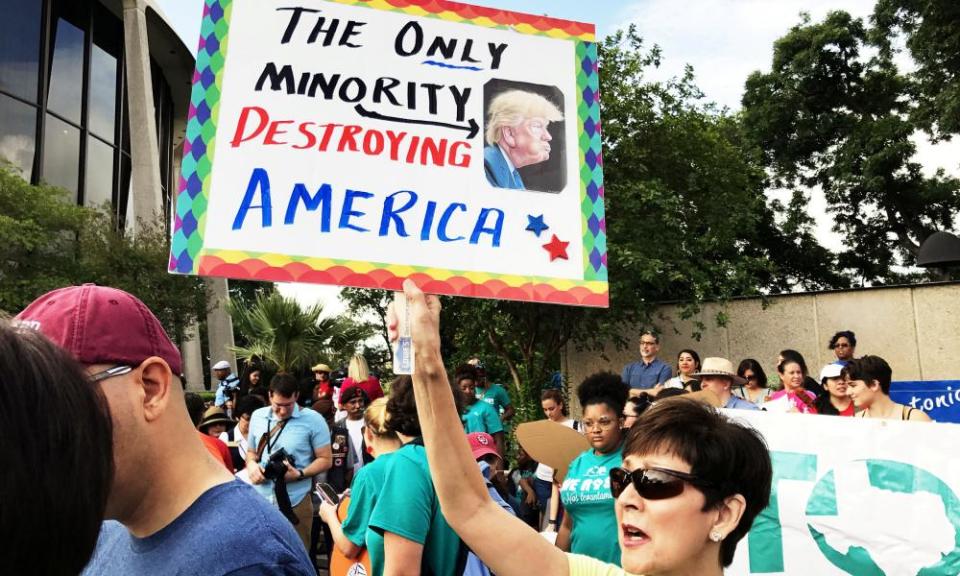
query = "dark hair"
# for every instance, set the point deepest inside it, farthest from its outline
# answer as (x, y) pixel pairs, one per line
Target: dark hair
(792, 356)
(352, 392)
(556, 396)
(195, 407)
(53, 420)
(731, 458)
(402, 415)
(248, 370)
(466, 372)
(284, 384)
(753, 365)
(604, 388)
(696, 357)
(848, 334)
(248, 405)
(656, 337)
(671, 393)
(870, 368)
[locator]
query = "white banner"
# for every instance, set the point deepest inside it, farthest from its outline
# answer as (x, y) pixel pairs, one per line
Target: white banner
(856, 496)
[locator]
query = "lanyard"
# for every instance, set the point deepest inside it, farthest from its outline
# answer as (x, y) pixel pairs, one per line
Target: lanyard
(272, 439)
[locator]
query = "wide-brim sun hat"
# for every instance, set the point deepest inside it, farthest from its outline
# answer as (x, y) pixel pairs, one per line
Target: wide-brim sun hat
(719, 367)
(213, 415)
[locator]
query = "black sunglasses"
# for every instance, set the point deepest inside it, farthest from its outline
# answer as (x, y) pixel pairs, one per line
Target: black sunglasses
(652, 483)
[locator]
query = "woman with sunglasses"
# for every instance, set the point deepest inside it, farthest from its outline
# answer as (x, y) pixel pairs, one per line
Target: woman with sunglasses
(691, 484)
(589, 518)
(755, 390)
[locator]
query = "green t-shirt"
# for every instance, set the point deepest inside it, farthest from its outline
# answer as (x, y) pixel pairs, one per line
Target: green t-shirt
(495, 396)
(363, 497)
(481, 417)
(408, 507)
(585, 494)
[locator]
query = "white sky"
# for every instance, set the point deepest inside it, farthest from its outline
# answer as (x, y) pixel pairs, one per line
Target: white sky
(724, 41)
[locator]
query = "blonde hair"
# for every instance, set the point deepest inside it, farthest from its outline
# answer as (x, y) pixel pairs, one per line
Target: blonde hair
(358, 371)
(513, 107)
(375, 418)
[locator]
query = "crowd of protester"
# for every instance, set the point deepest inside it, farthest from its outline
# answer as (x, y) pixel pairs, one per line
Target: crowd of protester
(420, 477)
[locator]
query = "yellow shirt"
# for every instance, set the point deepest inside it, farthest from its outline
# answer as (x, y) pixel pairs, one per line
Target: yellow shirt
(586, 566)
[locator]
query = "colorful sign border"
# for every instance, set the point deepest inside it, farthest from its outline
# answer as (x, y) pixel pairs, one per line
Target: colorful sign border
(189, 256)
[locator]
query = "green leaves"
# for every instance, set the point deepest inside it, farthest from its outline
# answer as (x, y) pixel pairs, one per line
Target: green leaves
(836, 113)
(47, 242)
(288, 338)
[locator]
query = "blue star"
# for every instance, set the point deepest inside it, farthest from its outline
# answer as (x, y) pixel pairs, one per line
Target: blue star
(536, 224)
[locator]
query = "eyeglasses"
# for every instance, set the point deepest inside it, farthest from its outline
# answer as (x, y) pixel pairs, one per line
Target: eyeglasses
(110, 373)
(652, 483)
(749, 377)
(603, 424)
(841, 345)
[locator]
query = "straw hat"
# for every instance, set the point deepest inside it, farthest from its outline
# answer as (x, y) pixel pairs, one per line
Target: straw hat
(719, 367)
(213, 415)
(321, 368)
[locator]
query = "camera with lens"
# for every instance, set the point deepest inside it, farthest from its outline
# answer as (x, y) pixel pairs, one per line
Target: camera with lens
(276, 467)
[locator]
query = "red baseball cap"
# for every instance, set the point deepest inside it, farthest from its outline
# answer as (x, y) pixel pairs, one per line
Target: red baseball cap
(482, 444)
(100, 325)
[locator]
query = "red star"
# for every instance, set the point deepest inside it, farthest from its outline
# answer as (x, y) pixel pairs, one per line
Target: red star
(556, 248)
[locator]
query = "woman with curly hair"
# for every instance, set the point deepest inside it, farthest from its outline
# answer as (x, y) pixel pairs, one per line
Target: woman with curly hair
(590, 518)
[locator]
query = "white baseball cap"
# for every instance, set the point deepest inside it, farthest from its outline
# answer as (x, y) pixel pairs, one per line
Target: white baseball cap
(222, 365)
(831, 371)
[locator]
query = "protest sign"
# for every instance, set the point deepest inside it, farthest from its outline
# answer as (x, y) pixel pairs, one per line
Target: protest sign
(940, 399)
(359, 143)
(855, 496)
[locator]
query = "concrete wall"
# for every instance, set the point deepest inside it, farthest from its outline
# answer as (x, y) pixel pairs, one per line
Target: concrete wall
(916, 329)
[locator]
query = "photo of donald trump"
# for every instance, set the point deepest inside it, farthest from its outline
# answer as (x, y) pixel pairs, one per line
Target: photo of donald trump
(517, 135)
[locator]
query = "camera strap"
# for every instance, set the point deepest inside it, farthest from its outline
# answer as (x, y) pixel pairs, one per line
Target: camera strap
(274, 435)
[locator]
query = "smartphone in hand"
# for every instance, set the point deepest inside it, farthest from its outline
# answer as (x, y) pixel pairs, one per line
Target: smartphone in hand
(327, 493)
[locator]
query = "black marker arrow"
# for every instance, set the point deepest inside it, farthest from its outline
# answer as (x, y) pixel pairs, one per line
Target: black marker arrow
(471, 129)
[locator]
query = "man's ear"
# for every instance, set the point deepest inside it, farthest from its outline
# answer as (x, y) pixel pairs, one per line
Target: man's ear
(507, 136)
(157, 379)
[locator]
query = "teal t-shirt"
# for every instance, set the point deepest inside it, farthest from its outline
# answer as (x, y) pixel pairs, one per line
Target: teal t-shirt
(408, 507)
(363, 497)
(585, 494)
(495, 396)
(481, 417)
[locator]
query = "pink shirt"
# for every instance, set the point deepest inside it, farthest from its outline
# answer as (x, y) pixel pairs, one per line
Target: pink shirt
(796, 402)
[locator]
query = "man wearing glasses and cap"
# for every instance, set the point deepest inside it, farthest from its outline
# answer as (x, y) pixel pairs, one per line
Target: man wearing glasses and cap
(229, 383)
(170, 502)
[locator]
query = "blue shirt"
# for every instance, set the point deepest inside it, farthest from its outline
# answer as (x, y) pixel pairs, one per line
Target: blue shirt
(740, 403)
(229, 529)
(642, 376)
(227, 385)
(301, 436)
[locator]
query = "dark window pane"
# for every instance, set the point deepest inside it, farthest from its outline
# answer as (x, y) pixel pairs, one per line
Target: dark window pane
(66, 70)
(20, 47)
(61, 154)
(107, 36)
(18, 124)
(98, 187)
(125, 183)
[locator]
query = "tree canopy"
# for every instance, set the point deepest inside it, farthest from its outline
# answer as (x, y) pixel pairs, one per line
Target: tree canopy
(835, 113)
